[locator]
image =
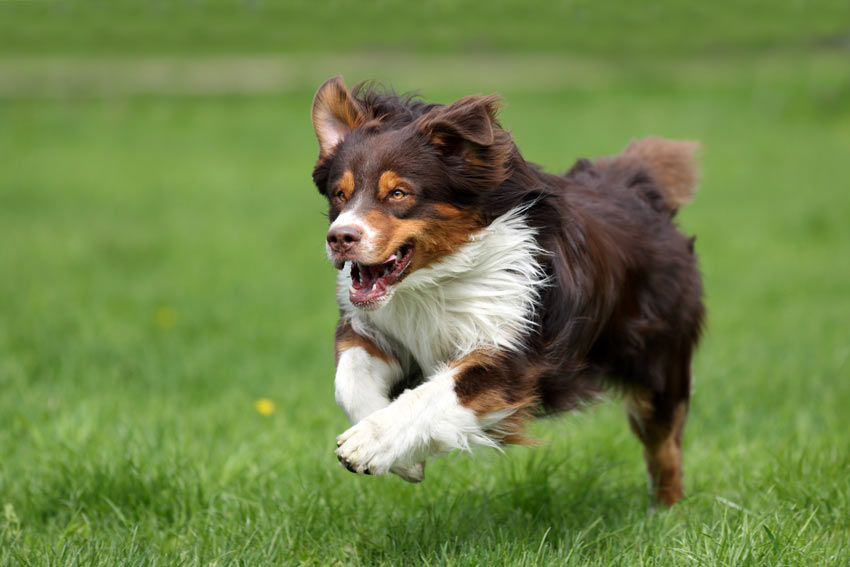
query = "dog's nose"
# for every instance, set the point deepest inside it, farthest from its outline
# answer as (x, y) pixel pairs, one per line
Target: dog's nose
(342, 238)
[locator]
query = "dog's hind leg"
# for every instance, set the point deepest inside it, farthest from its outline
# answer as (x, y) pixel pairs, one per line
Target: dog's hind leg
(657, 417)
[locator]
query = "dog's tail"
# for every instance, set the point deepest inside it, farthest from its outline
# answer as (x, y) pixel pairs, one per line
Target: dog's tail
(671, 166)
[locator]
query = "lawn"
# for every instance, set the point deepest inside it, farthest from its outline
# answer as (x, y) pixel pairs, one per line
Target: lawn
(163, 269)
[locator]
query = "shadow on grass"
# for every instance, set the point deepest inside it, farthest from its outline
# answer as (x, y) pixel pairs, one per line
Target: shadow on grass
(559, 503)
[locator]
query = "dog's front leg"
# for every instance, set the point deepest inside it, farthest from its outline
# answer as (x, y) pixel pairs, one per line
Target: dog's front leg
(365, 375)
(470, 402)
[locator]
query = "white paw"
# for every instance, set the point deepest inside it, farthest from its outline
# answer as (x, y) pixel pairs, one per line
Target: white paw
(374, 447)
(366, 448)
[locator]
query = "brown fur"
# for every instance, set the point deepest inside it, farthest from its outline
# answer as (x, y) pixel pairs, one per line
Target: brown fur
(346, 338)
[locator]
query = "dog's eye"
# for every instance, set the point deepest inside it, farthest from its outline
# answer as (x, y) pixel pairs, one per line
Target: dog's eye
(340, 195)
(398, 194)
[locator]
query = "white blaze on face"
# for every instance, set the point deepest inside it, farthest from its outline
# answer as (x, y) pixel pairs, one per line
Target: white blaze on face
(355, 219)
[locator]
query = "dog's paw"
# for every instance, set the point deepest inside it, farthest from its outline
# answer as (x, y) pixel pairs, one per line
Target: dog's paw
(410, 472)
(367, 448)
(375, 446)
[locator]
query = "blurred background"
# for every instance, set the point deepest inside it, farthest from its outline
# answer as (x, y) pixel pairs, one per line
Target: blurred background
(166, 308)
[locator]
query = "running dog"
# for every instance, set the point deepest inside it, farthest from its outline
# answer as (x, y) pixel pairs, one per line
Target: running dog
(477, 291)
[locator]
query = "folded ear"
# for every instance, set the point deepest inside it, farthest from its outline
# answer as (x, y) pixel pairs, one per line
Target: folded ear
(469, 120)
(335, 113)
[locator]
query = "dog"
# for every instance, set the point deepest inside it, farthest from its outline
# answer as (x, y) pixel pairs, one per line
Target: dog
(477, 291)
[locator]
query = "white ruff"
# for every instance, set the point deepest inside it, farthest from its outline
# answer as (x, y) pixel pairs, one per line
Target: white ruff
(483, 295)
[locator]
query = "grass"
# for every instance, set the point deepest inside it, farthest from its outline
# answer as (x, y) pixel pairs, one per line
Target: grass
(162, 269)
(601, 27)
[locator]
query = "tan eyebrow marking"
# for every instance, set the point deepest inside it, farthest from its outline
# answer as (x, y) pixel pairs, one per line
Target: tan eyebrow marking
(388, 181)
(346, 184)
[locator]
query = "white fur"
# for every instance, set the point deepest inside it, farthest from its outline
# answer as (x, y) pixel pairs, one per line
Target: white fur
(353, 218)
(483, 295)
(363, 382)
(421, 422)
(330, 130)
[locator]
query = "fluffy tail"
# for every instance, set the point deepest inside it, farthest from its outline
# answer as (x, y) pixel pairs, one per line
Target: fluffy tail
(672, 166)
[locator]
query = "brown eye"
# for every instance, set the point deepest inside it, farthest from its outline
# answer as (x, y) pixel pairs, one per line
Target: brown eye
(340, 195)
(397, 194)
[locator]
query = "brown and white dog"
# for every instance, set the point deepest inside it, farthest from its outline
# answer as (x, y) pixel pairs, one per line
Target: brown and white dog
(476, 290)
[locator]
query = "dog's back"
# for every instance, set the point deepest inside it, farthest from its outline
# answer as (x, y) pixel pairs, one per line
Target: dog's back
(626, 302)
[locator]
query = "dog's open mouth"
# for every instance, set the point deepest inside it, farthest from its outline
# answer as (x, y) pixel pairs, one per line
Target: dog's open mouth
(371, 283)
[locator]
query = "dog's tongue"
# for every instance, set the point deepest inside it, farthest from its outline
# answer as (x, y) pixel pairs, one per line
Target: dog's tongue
(372, 281)
(370, 289)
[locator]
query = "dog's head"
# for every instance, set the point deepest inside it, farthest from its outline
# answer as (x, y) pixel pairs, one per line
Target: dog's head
(403, 179)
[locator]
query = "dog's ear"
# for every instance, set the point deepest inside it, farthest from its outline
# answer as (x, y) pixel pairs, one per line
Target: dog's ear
(463, 125)
(335, 113)
(473, 145)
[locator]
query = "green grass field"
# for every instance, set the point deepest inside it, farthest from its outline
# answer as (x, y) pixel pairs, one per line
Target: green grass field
(162, 269)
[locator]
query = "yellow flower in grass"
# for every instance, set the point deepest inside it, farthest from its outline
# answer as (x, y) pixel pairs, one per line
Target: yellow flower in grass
(264, 406)
(165, 317)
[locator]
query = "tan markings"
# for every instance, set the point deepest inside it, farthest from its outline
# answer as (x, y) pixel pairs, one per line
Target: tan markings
(334, 109)
(671, 163)
(446, 236)
(448, 211)
(388, 182)
(346, 184)
(662, 442)
(515, 397)
(432, 239)
(346, 339)
(510, 429)
(391, 233)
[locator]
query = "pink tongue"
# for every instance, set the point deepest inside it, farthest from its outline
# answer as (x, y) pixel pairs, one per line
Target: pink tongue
(373, 281)
(371, 287)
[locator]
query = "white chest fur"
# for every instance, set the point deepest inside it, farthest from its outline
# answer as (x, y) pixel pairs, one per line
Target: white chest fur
(483, 295)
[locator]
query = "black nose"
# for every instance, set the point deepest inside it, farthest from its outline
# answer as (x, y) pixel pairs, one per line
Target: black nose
(342, 238)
